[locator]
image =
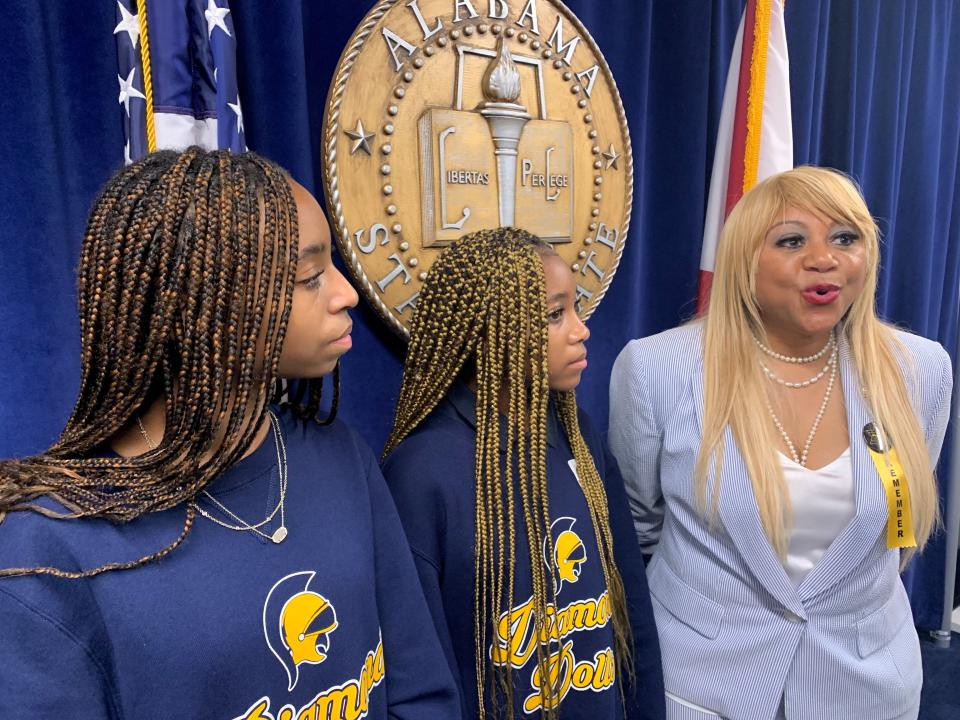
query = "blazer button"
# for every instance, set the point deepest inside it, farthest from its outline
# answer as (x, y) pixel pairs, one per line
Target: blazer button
(792, 617)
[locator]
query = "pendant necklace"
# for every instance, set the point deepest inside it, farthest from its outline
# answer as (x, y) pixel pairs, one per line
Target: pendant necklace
(278, 535)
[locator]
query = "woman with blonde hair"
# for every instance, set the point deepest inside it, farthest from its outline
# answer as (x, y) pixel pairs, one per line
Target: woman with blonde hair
(779, 457)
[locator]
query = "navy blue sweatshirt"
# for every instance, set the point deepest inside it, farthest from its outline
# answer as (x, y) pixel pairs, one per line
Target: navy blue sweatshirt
(331, 622)
(431, 476)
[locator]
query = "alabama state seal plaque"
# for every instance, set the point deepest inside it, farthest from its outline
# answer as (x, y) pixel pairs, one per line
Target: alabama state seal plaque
(449, 116)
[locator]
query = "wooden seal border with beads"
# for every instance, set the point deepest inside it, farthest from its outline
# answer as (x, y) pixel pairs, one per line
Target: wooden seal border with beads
(449, 116)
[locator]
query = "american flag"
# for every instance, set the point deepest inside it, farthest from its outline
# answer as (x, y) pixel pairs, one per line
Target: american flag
(180, 57)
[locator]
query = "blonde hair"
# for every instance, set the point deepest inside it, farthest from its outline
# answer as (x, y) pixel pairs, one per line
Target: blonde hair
(734, 393)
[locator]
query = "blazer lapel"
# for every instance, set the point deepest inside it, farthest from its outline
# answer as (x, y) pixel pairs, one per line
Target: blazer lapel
(854, 542)
(741, 517)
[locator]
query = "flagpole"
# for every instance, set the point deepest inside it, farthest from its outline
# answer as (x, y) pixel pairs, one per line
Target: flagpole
(942, 636)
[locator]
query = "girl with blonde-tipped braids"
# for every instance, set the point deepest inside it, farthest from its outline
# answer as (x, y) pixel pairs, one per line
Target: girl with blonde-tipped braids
(516, 515)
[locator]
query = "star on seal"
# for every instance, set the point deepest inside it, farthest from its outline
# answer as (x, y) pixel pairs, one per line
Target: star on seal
(612, 157)
(360, 137)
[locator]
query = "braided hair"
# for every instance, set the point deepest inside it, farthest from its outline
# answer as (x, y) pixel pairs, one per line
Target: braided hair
(185, 286)
(482, 312)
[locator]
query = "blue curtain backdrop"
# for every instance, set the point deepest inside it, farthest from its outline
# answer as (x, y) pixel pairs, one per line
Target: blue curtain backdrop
(876, 92)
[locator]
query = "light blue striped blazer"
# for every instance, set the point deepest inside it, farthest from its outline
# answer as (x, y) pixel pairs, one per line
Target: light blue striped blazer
(736, 635)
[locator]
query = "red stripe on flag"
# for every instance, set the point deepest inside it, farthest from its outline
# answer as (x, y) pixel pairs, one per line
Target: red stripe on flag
(739, 142)
(704, 283)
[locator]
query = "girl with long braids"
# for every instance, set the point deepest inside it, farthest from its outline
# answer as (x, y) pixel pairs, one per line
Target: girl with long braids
(516, 516)
(188, 548)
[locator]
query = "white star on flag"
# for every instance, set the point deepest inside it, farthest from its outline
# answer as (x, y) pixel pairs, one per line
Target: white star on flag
(127, 90)
(239, 113)
(216, 18)
(130, 24)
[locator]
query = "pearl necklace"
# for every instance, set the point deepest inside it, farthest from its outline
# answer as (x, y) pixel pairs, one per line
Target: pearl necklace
(804, 383)
(801, 459)
(280, 534)
(801, 360)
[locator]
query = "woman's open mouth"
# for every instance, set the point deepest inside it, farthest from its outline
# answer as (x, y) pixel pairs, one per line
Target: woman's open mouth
(821, 294)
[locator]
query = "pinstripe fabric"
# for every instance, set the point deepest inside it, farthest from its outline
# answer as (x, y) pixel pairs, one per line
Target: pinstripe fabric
(736, 635)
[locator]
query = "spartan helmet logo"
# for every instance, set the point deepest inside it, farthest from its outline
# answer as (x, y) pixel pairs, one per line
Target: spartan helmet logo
(297, 624)
(568, 552)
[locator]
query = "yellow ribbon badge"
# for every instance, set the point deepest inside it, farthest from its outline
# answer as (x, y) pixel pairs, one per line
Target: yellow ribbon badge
(899, 517)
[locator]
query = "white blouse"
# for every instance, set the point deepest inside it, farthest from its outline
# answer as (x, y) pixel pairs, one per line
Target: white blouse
(823, 505)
